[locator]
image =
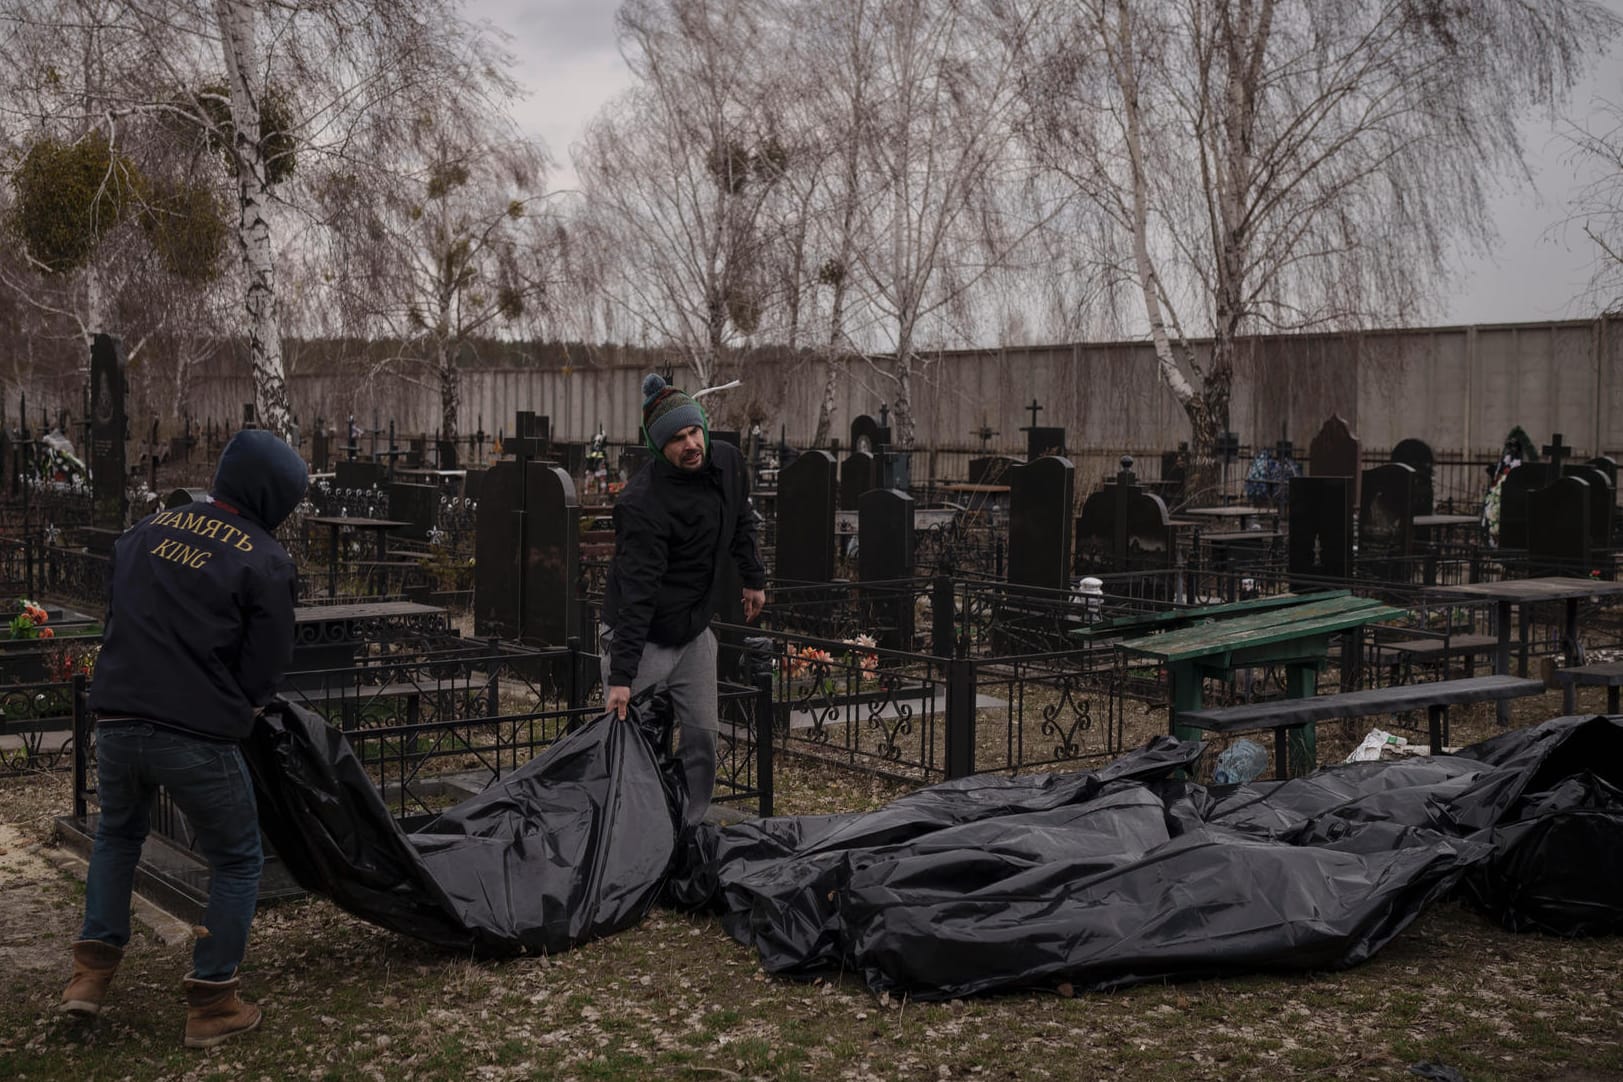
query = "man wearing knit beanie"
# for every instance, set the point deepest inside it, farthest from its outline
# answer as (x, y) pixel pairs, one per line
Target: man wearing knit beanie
(676, 523)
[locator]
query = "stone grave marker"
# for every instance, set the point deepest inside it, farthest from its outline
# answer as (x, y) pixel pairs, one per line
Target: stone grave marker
(991, 469)
(1559, 541)
(806, 497)
(320, 449)
(1124, 527)
(359, 474)
(416, 456)
(1321, 528)
(1042, 439)
(527, 553)
(1334, 452)
(896, 469)
(728, 435)
(1606, 465)
(415, 504)
(1602, 502)
(498, 544)
(1418, 454)
(1386, 518)
(868, 434)
(533, 426)
(1042, 500)
(859, 474)
(1515, 516)
(571, 456)
(1174, 473)
(108, 428)
(885, 529)
(445, 454)
(551, 556)
(474, 477)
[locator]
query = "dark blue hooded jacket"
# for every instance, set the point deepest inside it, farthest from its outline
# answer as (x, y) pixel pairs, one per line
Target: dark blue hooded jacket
(200, 600)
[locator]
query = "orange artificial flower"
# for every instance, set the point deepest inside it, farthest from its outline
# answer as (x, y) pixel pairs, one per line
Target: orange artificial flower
(48, 633)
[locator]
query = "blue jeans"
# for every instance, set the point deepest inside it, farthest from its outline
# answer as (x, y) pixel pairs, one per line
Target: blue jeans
(209, 782)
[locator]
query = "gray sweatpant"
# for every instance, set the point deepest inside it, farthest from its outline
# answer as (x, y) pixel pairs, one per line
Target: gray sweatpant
(688, 674)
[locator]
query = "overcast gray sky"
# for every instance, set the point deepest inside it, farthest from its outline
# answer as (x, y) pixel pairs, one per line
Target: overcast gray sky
(569, 61)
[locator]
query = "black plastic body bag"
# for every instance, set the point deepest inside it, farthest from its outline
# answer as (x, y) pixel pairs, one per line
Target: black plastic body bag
(574, 845)
(1107, 878)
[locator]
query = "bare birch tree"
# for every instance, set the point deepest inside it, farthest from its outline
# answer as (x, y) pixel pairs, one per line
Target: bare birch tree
(435, 227)
(676, 172)
(1597, 209)
(1275, 164)
(940, 162)
(219, 69)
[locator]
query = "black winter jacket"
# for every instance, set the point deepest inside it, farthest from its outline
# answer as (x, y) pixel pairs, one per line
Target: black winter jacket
(672, 530)
(200, 601)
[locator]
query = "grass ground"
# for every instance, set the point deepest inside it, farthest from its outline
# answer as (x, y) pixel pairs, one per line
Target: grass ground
(675, 998)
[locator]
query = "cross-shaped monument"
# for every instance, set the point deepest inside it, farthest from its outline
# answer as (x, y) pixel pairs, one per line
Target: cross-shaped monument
(1558, 452)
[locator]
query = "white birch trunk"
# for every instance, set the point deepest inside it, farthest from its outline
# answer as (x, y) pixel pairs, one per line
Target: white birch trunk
(1132, 115)
(236, 21)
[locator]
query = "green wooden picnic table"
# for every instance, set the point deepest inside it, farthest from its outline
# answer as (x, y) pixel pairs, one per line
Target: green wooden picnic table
(1296, 636)
(1170, 619)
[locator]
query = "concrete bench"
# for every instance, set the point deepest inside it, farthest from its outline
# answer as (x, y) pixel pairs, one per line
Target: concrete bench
(1608, 675)
(1283, 715)
(1409, 653)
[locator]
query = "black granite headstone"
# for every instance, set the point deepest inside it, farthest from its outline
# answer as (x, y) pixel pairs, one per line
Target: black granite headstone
(1607, 465)
(1418, 454)
(1515, 516)
(415, 504)
(1386, 518)
(1602, 502)
(806, 519)
(320, 451)
(868, 434)
(472, 483)
(1334, 453)
(445, 454)
(1559, 541)
(859, 474)
(1321, 528)
(991, 469)
(533, 426)
(1123, 527)
(551, 557)
(1174, 473)
(416, 456)
(896, 470)
(498, 552)
(108, 429)
(1042, 499)
(358, 474)
(727, 435)
(885, 530)
(1042, 441)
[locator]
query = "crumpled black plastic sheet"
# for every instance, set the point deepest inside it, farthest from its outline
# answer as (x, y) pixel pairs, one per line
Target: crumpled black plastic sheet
(1107, 878)
(572, 846)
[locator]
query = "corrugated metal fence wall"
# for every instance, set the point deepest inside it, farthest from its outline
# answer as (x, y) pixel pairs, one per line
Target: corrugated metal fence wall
(1459, 388)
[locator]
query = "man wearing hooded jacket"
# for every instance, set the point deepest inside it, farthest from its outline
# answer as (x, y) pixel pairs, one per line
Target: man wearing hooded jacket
(199, 634)
(675, 524)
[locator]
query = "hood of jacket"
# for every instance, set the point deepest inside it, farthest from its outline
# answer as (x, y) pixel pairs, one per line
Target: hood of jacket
(260, 476)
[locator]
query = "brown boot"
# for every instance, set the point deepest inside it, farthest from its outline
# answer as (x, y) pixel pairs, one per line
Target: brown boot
(214, 1013)
(94, 963)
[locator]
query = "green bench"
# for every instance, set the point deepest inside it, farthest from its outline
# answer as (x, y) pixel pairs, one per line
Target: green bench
(1296, 634)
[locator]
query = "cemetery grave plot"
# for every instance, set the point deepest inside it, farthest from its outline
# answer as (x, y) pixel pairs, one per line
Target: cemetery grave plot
(432, 718)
